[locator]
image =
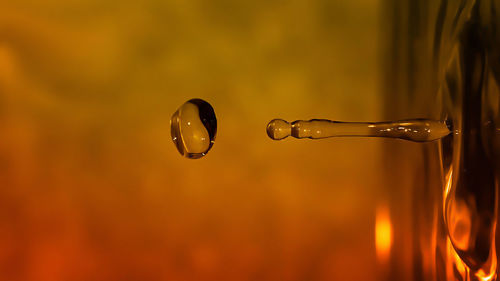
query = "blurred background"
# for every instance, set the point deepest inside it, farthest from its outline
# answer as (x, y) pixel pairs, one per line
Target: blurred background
(92, 187)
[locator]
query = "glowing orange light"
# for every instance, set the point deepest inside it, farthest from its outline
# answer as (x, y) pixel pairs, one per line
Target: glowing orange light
(459, 222)
(489, 271)
(486, 277)
(383, 233)
(447, 187)
(455, 263)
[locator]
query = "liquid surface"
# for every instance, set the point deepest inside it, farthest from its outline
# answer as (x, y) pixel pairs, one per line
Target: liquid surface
(417, 130)
(471, 193)
(193, 128)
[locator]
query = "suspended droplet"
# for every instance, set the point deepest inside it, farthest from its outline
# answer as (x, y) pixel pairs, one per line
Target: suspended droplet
(193, 128)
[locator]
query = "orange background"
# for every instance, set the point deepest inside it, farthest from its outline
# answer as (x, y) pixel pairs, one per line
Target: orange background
(92, 187)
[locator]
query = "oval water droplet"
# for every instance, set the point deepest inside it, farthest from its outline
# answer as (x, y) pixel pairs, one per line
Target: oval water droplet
(193, 128)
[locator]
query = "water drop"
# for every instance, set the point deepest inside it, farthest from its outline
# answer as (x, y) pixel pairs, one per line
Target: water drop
(193, 128)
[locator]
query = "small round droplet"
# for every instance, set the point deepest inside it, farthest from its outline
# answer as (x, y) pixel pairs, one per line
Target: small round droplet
(278, 129)
(193, 128)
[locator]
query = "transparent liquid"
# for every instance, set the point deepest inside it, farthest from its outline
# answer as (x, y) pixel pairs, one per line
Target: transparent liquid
(471, 189)
(193, 128)
(417, 130)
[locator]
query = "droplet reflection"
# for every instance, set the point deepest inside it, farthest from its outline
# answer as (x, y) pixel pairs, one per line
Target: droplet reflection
(193, 128)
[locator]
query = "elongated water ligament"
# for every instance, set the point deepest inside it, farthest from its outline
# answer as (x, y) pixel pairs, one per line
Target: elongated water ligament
(193, 128)
(417, 130)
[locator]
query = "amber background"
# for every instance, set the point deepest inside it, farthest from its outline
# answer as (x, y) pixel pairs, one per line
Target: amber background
(92, 187)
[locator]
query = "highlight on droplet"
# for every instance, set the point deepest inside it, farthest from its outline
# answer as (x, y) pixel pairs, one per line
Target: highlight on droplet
(193, 128)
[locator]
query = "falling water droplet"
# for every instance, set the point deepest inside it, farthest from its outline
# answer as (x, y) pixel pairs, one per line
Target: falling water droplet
(193, 128)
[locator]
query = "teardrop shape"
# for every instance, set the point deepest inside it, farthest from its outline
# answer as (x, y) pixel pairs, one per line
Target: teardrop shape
(193, 128)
